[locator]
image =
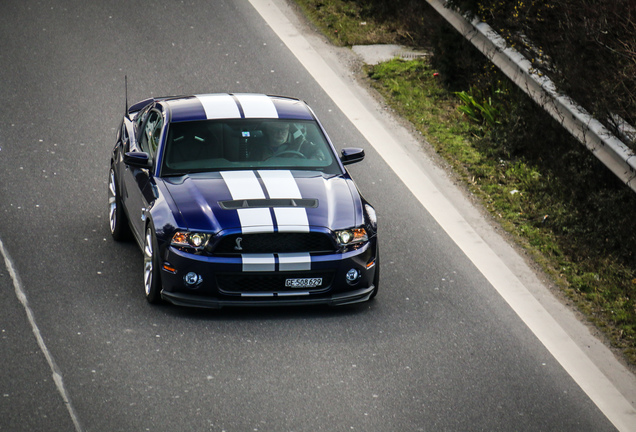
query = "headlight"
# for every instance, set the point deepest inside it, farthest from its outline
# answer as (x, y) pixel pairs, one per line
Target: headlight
(190, 240)
(352, 236)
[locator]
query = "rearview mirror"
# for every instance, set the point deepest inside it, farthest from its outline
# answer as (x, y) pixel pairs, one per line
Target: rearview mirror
(351, 155)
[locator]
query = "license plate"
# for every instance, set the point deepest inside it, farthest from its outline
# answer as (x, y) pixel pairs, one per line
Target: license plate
(303, 282)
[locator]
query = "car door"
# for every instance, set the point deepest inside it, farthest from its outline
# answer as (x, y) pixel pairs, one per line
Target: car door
(139, 193)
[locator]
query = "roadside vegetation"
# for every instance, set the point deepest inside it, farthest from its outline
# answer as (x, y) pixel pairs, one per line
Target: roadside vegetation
(588, 47)
(570, 213)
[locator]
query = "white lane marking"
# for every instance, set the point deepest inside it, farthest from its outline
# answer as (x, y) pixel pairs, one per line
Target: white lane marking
(219, 106)
(257, 106)
(586, 374)
(294, 261)
(280, 184)
(259, 262)
(57, 376)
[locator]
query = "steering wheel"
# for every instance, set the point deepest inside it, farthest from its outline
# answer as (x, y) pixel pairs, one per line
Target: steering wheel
(290, 153)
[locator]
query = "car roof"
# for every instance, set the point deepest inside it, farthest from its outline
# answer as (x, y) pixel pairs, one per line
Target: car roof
(235, 106)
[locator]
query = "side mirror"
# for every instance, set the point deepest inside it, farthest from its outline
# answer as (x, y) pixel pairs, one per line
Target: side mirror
(351, 155)
(138, 159)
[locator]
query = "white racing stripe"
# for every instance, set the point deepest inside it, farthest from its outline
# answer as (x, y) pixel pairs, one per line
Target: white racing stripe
(259, 262)
(218, 106)
(257, 106)
(279, 184)
(580, 367)
(291, 219)
(267, 262)
(256, 220)
(294, 262)
(282, 184)
(245, 185)
(292, 294)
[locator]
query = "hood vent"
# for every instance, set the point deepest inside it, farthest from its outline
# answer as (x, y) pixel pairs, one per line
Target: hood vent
(268, 203)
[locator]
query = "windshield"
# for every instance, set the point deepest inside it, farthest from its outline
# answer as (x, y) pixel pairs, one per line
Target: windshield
(220, 145)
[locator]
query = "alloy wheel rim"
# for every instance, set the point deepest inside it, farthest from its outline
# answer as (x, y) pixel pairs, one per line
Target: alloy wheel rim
(148, 264)
(112, 202)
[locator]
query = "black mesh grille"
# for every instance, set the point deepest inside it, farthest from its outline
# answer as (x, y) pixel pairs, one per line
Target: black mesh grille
(275, 243)
(244, 283)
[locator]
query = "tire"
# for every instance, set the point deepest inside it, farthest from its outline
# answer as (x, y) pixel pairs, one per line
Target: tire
(152, 278)
(376, 277)
(119, 228)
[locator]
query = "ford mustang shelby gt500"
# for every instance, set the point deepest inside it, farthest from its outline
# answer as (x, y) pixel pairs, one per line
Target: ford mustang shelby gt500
(241, 199)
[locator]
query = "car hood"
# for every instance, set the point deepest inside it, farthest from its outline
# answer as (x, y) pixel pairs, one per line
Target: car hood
(265, 201)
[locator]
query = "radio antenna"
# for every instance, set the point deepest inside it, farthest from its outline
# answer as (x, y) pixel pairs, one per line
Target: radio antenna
(126, 90)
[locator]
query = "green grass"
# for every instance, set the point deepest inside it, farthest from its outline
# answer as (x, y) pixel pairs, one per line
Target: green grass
(549, 193)
(525, 197)
(348, 23)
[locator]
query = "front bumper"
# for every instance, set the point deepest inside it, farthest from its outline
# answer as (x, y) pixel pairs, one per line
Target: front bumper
(229, 281)
(182, 299)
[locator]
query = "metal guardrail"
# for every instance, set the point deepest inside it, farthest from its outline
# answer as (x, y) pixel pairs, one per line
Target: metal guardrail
(609, 149)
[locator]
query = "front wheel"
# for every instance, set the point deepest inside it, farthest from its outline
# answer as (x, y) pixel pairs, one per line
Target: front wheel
(152, 279)
(119, 227)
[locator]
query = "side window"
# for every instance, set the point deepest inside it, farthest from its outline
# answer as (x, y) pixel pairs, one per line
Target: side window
(141, 117)
(151, 133)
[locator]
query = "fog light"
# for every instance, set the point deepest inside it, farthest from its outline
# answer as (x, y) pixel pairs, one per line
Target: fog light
(352, 276)
(192, 279)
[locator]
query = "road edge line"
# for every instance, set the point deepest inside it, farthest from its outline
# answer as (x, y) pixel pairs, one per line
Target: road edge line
(57, 376)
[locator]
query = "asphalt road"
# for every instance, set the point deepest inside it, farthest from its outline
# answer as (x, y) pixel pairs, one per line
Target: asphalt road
(439, 349)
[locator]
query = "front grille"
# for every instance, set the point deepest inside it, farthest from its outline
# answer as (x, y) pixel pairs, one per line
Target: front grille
(242, 283)
(275, 243)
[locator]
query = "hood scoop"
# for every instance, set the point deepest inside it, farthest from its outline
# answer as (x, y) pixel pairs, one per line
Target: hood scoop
(269, 203)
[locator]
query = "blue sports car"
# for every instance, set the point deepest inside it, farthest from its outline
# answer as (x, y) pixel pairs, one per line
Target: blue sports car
(241, 200)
